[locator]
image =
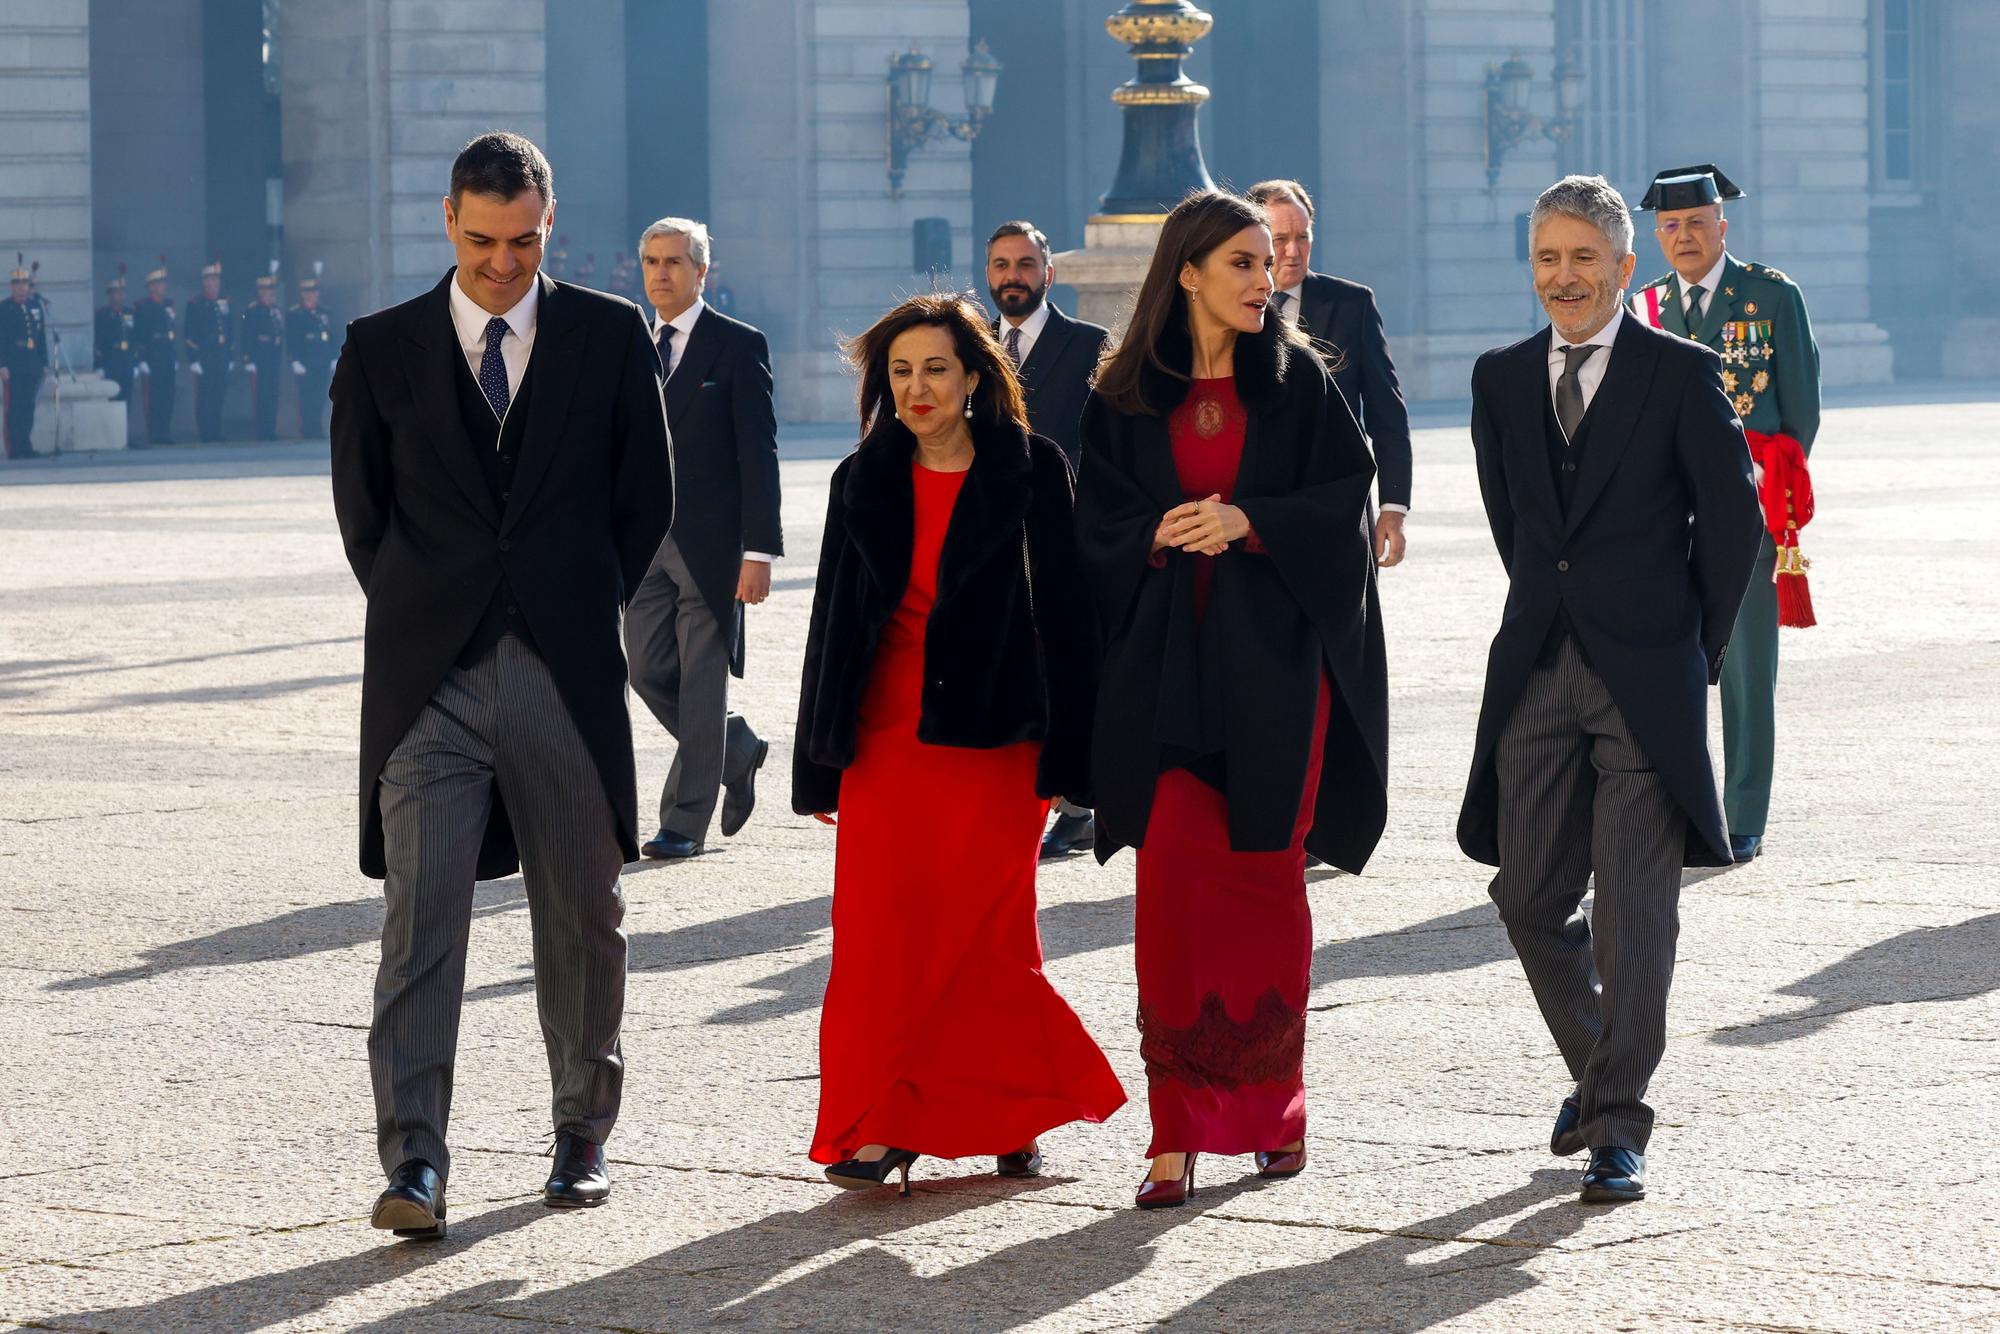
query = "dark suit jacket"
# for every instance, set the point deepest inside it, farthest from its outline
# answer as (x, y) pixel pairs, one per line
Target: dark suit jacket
(591, 498)
(1343, 322)
(1242, 681)
(1010, 653)
(725, 460)
(1056, 377)
(1649, 561)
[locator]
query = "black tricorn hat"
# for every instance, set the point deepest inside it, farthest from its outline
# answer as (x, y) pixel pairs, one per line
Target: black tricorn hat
(1689, 187)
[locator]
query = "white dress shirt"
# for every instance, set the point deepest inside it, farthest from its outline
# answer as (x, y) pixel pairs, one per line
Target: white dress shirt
(1591, 373)
(1709, 283)
(470, 322)
(1031, 329)
(683, 326)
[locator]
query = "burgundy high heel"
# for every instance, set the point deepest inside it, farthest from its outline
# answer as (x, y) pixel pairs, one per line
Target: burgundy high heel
(1168, 1194)
(1282, 1162)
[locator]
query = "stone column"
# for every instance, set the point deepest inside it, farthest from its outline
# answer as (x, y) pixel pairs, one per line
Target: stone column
(1812, 152)
(815, 247)
(379, 96)
(45, 158)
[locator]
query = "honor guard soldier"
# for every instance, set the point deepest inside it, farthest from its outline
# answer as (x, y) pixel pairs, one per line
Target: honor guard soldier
(24, 354)
(260, 345)
(309, 337)
(210, 337)
(116, 340)
(1755, 317)
(159, 347)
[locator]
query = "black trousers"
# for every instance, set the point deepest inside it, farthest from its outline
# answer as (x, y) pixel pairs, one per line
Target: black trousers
(23, 387)
(159, 392)
(211, 388)
(267, 381)
(312, 402)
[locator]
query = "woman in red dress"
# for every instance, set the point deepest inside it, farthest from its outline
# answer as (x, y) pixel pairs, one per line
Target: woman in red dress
(1242, 719)
(949, 675)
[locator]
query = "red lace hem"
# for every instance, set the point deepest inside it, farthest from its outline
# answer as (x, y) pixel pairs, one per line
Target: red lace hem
(1217, 1051)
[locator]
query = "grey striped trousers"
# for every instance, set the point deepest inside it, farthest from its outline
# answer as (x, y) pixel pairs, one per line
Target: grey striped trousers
(1578, 795)
(498, 722)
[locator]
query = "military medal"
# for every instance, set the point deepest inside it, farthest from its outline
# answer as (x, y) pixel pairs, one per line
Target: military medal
(1749, 307)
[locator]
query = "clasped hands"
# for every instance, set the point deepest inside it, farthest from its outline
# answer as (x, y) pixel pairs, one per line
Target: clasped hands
(1204, 527)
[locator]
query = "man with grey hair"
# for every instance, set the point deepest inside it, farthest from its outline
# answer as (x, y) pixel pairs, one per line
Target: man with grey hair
(1617, 485)
(684, 633)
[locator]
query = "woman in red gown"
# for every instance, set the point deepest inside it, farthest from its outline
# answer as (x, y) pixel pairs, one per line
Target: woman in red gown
(949, 673)
(1243, 717)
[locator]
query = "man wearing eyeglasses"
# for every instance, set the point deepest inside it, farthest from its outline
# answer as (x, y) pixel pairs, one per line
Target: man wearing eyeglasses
(1755, 318)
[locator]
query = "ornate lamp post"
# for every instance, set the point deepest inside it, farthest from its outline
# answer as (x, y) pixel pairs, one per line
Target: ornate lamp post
(1507, 118)
(1161, 159)
(912, 121)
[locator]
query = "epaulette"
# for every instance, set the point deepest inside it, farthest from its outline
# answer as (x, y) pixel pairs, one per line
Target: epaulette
(1765, 271)
(1660, 281)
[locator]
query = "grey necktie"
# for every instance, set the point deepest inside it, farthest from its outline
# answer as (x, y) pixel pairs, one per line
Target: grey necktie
(1569, 394)
(1281, 300)
(1014, 345)
(1694, 308)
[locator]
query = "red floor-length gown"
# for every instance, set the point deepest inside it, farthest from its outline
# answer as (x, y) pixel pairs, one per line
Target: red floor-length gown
(939, 1033)
(1223, 939)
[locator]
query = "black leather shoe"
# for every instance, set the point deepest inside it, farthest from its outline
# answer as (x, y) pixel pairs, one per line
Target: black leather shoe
(1567, 1137)
(1020, 1163)
(740, 797)
(579, 1180)
(413, 1205)
(1614, 1175)
(1743, 847)
(667, 846)
(1070, 833)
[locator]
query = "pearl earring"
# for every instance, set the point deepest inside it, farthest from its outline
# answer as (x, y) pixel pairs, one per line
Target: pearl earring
(968, 407)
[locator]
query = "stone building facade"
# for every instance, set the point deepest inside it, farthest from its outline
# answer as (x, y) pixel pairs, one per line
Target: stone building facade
(254, 130)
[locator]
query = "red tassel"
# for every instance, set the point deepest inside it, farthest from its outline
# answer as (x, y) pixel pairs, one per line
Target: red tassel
(1795, 608)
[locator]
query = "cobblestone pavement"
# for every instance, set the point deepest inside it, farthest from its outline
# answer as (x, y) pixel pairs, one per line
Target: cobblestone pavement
(188, 952)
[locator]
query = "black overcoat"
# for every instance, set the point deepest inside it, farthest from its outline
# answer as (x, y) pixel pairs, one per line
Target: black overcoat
(591, 498)
(1345, 324)
(1243, 682)
(1650, 561)
(1056, 377)
(1010, 652)
(725, 433)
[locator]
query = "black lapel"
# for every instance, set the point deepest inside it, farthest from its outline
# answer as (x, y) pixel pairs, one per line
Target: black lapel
(879, 509)
(704, 345)
(1048, 349)
(1316, 307)
(1524, 438)
(1153, 456)
(431, 341)
(1614, 410)
(991, 506)
(555, 362)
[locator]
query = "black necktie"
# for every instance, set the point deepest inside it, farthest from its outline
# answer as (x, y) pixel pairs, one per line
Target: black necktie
(1281, 300)
(665, 343)
(1694, 308)
(1569, 394)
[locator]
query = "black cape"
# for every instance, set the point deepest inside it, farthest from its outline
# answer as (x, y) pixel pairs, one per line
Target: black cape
(1238, 689)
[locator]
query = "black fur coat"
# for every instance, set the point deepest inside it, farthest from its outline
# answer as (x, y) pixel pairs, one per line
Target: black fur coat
(1005, 660)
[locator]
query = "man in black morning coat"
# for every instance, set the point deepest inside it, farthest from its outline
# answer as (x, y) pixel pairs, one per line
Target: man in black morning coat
(1617, 484)
(1055, 357)
(502, 476)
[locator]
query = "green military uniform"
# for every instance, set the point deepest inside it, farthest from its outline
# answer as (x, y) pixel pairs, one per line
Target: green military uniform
(1756, 320)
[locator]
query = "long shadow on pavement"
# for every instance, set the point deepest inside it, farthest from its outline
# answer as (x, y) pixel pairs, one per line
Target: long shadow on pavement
(744, 1279)
(1932, 963)
(263, 1300)
(1385, 1285)
(292, 935)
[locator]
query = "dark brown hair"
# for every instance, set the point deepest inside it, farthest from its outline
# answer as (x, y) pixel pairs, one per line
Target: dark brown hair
(1280, 190)
(1021, 227)
(503, 165)
(1198, 224)
(997, 399)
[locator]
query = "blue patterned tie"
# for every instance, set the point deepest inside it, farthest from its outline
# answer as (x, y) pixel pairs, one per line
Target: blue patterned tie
(493, 369)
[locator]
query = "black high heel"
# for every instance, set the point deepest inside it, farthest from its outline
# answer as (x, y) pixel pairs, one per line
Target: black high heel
(1020, 1163)
(854, 1174)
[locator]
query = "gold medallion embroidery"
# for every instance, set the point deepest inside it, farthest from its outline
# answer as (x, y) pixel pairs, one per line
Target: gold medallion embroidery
(1760, 382)
(1729, 382)
(1744, 404)
(1208, 419)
